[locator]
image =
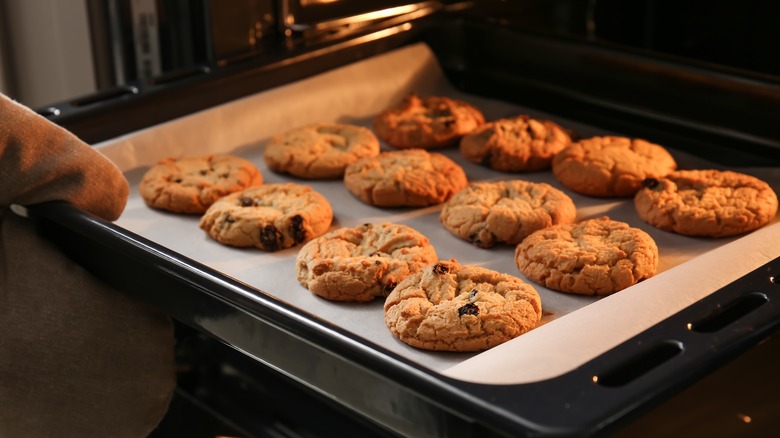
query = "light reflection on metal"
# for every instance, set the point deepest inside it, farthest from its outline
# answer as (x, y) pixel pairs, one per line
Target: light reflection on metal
(360, 19)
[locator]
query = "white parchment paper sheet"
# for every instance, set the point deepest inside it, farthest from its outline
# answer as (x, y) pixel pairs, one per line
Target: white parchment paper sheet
(574, 328)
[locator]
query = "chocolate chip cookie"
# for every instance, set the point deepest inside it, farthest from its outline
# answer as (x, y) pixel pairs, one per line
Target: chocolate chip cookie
(407, 178)
(427, 123)
(611, 166)
(191, 184)
(593, 257)
(708, 203)
(270, 217)
(487, 213)
(362, 263)
(321, 150)
(450, 307)
(517, 144)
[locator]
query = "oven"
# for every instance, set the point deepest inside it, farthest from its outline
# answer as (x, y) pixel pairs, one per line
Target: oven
(690, 350)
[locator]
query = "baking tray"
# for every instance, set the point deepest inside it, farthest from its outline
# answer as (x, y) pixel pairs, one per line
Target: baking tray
(593, 363)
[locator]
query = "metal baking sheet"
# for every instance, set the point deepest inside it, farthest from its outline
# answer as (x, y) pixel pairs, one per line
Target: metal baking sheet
(574, 329)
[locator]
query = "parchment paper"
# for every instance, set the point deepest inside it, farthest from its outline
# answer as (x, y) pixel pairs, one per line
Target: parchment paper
(574, 328)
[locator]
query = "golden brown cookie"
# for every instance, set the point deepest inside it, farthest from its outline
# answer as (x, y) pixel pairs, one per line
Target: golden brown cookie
(611, 166)
(487, 213)
(321, 150)
(593, 257)
(408, 178)
(517, 144)
(710, 203)
(362, 263)
(450, 307)
(427, 123)
(270, 217)
(192, 184)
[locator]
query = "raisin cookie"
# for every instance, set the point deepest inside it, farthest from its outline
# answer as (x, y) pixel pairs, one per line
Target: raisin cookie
(518, 144)
(320, 151)
(408, 178)
(427, 123)
(593, 257)
(709, 203)
(611, 166)
(487, 213)
(270, 217)
(362, 263)
(450, 307)
(191, 184)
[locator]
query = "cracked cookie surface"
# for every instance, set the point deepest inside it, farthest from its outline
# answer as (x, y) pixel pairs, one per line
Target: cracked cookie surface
(191, 184)
(610, 166)
(426, 123)
(407, 178)
(489, 213)
(708, 203)
(593, 257)
(362, 263)
(270, 217)
(517, 144)
(320, 151)
(450, 307)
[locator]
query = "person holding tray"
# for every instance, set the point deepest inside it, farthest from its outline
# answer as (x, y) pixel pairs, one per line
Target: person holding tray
(77, 358)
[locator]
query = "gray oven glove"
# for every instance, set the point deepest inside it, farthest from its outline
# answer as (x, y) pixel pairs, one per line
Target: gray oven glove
(77, 358)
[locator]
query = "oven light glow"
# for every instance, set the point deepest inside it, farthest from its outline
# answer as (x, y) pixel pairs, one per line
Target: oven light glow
(690, 326)
(744, 418)
(595, 379)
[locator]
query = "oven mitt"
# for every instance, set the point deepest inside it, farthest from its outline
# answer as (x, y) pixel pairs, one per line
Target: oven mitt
(77, 358)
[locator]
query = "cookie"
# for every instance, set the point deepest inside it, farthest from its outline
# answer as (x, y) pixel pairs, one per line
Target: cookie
(407, 178)
(611, 166)
(450, 307)
(707, 203)
(362, 263)
(517, 144)
(192, 184)
(593, 257)
(320, 151)
(487, 213)
(270, 217)
(427, 123)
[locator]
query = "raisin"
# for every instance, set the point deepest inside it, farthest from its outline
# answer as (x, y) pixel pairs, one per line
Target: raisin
(650, 183)
(297, 231)
(177, 180)
(390, 286)
(440, 269)
(487, 158)
(472, 294)
(246, 201)
(204, 172)
(270, 237)
(229, 219)
(469, 309)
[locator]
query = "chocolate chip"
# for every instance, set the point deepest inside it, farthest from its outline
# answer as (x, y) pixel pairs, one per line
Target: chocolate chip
(390, 286)
(469, 309)
(204, 172)
(177, 180)
(440, 269)
(650, 183)
(270, 237)
(229, 219)
(297, 231)
(377, 263)
(246, 201)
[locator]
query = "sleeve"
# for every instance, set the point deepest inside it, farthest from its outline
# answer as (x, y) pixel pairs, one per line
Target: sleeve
(40, 161)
